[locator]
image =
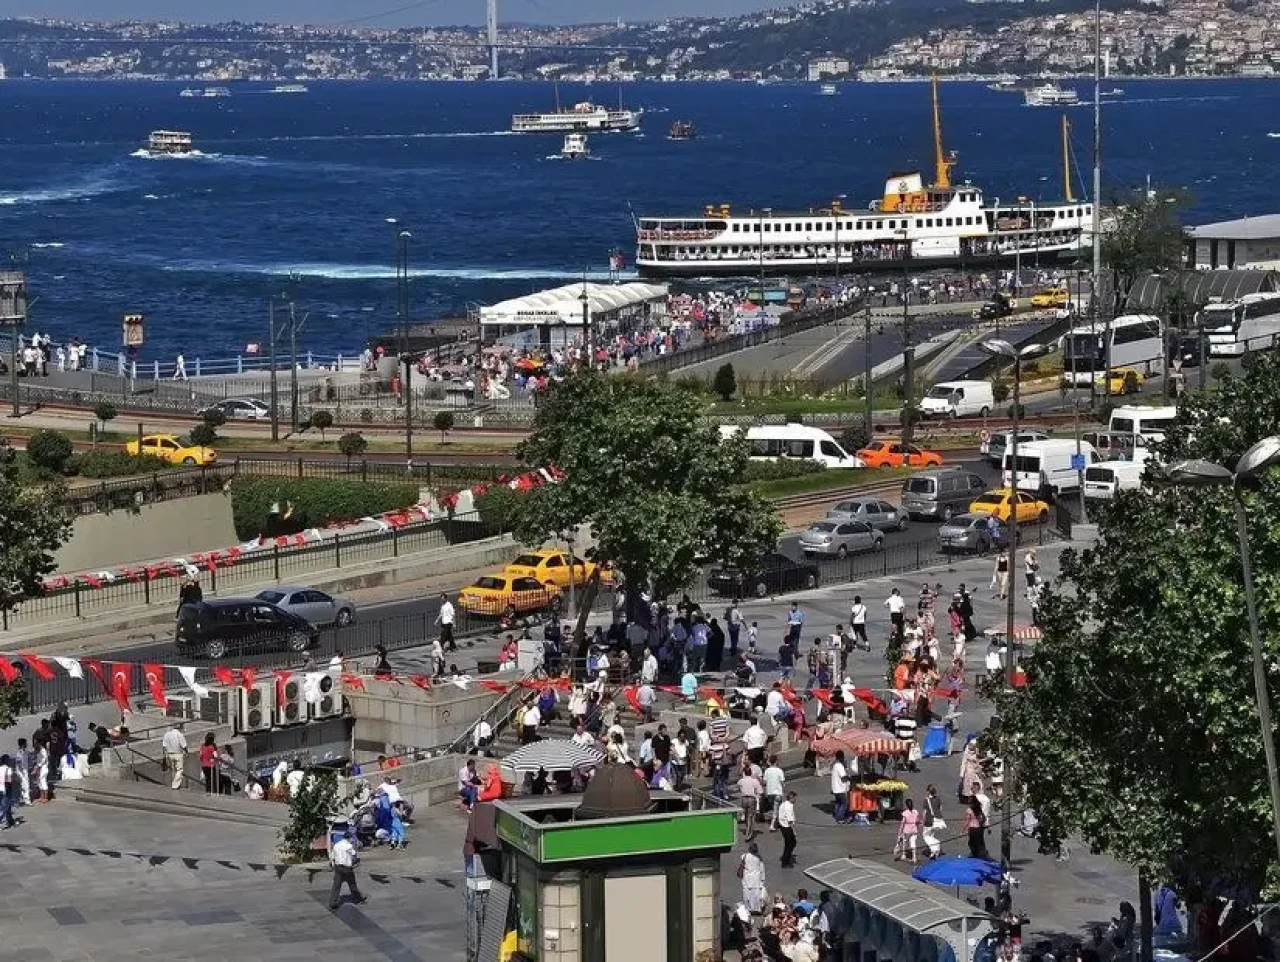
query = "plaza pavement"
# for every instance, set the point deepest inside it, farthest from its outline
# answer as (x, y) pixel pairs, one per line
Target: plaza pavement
(92, 883)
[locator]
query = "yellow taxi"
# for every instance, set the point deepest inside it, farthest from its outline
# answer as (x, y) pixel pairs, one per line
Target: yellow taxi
(169, 447)
(1000, 502)
(505, 594)
(1053, 297)
(1124, 380)
(552, 567)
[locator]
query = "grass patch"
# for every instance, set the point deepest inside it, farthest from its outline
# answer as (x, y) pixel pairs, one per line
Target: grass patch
(831, 479)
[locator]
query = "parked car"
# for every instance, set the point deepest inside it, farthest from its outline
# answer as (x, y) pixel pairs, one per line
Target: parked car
(309, 603)
(222, 626)
(971, 532)
(878, 514)
(839, 538)
(505, 595)
(174, 451)
(240, 409)
(1001, 503)
(1124, 380)
(774, 574)
(896, 454)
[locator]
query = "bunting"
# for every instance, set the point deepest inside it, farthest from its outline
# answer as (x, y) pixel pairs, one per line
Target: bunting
(189, 676)
(247, 676)
(39, 667)
(71, 666)
(154, 675)
(282, 679)
(422, 681)
(121, 682)
(96, 668)
(224, 675)
(7, 671)
(352, 681)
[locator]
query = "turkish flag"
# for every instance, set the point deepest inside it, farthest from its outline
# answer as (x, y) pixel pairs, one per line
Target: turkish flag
(155, 682)
(282, 679)
(224, 675)
(352, 681)
(495, 686)
(422, 681)
(121, 682)
(246, 677)
(631, 694)
(95, 666)
(7, 671)
(38, 666)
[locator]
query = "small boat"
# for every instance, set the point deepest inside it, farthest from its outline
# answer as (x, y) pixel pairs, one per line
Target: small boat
(290, 89)
(828, 90)
(681, 130)
(169, 143)
(1113, 92)
(206, 92)
(575, 147)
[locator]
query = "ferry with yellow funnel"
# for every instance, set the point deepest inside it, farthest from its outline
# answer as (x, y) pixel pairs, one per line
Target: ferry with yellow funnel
(924, 225)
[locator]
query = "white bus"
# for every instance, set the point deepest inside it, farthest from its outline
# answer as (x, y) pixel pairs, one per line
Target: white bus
(771, 442)
(1137, 341)
(1250, 324)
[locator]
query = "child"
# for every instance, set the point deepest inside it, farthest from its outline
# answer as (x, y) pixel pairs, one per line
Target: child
(752, 634)
(398, 839)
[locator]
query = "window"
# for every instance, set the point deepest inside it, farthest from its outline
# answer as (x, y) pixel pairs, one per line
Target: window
(1134, 332)
(798, 448)
(831, 450)
(555, 561)
(885, 507)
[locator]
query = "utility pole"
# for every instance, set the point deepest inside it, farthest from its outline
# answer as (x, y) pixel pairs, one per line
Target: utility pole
(275, 387)
(866, 357)
(13, 315)
(1097, 198)
(908, 349)
(588, 338)
(406, 359)
(293, 357)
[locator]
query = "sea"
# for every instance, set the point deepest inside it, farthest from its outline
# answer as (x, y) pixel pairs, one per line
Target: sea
(297, 191)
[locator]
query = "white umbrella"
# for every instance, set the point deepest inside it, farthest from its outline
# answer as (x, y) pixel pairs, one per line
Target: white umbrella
(554, 756)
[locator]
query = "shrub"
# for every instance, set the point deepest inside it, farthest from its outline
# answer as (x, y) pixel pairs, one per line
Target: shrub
(1220, 371)
(777, 470)
(1021, 412)
(366, 415)
(49, 450)
(500, 507)
(315, 502)
(1000, 390)
(444, 422)
(855, 437)
(117, 464)
(352, 445)
(214, 417)
(309, 810)
(321, 421)
(725, 383)
(204, 435)
(105, 411)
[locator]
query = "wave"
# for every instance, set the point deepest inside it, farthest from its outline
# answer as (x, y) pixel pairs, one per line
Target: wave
(1274, 133)
(362, 272)
(47, 195)
(48, 244)
(420, 135)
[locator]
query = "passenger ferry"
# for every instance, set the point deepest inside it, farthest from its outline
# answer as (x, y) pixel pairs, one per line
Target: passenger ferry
(1051, 95)
(206, 92)
(580, 118)
(912, 225)
(290, 89)
(169, 142)
(828, 90)
(575, 147)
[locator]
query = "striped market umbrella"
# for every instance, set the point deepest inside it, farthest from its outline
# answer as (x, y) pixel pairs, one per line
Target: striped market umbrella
(1020, 632)
(554, 756)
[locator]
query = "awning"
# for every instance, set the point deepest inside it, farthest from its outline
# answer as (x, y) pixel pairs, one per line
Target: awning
(554, 756)
(1020, 632)
(913, 910)
(860, 741)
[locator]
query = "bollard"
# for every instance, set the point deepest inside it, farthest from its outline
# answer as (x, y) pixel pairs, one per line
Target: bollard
(275, 560)
(337, 549)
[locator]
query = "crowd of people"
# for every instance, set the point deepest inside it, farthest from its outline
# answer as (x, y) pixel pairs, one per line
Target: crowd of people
(37, 353)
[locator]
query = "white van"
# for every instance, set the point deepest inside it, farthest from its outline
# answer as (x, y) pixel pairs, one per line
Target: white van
(954, 399)
(769, 442)
(1149, 422)
(1104, 479)
(1045, 466)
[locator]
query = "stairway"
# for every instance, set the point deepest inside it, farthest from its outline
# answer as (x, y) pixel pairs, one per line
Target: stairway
(161, 800)
(561, 729)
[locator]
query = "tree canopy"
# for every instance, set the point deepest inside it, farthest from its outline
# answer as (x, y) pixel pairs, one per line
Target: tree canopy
(1138, 727)
(648, 475)
(1144, 238)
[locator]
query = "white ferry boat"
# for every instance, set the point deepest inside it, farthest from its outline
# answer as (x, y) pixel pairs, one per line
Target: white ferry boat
(828, 90)
(579, 118)
(912, 225)
(575, 147)
(290, 89)
(1051, 95)
(175, 142)
(206, 92)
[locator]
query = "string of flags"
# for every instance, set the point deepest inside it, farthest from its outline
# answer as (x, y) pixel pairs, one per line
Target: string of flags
(430, 509)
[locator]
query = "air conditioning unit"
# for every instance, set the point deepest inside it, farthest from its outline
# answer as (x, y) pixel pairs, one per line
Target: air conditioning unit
(216, 707)
(256, 706)
(330, 703)
(182, 706)
(293, 710)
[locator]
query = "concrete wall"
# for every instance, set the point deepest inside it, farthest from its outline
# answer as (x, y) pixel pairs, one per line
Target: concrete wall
(167, 529)
(391, 718)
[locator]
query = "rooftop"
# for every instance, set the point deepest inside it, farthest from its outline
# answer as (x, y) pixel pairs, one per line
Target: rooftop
(1263, 227)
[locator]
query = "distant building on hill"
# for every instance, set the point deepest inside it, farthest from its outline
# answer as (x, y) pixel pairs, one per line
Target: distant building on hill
(828, 68)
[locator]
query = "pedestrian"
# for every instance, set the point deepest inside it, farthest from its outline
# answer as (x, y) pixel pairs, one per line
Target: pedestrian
(180, 368)
(858, 622)
(966, 614)
(41, 768)
(22, 766)
(795, 624)
(897, 606)
(786, 659)
(530, 719)
(344, 858)
(933, 820)
(445, 618)
(189, 594)
(755, 738)
(174, 746)
(209, 764)
(753, 636)
(755, 892)
(226, 771)
(975, 825)
(787, 826)
(8, 791)
(715, 646)
(750, 791)
(1033, 567)
(1001, 576)
(733, 618)
(908, 831)
(841, 782)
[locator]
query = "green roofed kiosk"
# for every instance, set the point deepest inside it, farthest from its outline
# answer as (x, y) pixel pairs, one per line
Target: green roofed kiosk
(616, 874)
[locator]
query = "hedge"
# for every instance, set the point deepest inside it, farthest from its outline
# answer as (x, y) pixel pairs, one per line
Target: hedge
(116, 464)
(315, 502)
(777, 470)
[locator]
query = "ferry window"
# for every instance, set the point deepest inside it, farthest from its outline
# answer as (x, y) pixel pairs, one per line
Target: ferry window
(950, 221)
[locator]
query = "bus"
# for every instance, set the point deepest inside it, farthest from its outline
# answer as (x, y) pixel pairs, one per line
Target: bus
(1234, 327)
(1137, 341)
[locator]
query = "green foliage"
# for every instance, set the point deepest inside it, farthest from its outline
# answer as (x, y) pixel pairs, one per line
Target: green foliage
(33, 527)
(117, 464)
(13, 703)
(1016, 411)
(855, 437)
(1000, 390)
(725, 382)
(649, 475)
(1220, 370)
(444, 422)
(314, 501)
(204, 435)
(1137, 727)
(500, 507)
(1145, 238)
(105, 411)
(49, 450)
(309, 811)
(353, 444)
(214, 417)
(775, 470)
(321, 421)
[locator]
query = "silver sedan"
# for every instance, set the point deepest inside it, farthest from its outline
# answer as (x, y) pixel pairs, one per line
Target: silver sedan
(879, 514)
(309, 603)
(840, 538)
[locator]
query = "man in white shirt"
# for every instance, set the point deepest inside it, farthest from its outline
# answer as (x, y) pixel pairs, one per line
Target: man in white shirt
(787, 826)
(776, 704)
(8, 791)
(649, 669)
(482, 736)
(995, 661)
(295, 778)
(344, 859)
(583, 737)
(774, 792)
(445, 618)
(896, 605)
(840, 784)
(858, 623)
(984, 800)
(529, 723)
(174, 746)
(646, 698)
(755, 738)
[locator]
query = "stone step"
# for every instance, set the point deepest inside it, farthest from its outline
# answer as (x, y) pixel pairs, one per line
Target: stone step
(161, 800)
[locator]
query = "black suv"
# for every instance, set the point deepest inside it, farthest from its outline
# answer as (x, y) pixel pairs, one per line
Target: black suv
(220, 626)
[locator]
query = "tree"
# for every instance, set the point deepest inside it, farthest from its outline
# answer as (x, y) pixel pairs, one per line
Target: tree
(105, 411)
(649, 476)
(1145, 238)
(352, 445)
(309, 810)
(203, 435)
(999, 390)
(34, 528)
(321, 421)
(855, 436)
(13, 702)
(1136, 728)
(49, 450)
(214, 417)
(444, 422)
(725, 382)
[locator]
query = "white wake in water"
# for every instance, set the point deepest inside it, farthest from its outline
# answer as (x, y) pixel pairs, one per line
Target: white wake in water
(1274, 133)
(443, 135)
(362, 272)
(47, 195)
(48, 244)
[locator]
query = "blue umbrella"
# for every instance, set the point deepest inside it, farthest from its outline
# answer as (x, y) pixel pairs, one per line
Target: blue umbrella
(958, 870)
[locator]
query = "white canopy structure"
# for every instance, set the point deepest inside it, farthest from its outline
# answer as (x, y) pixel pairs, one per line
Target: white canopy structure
(607, 306)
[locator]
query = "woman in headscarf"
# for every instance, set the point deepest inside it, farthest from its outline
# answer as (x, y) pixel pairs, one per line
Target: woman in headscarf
(755, 893)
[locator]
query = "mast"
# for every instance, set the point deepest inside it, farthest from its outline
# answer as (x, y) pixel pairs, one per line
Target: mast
(942, 162)
(1097, 191)
(1066, 158)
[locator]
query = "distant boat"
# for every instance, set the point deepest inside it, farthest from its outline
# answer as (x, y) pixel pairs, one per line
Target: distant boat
(290, 89)
(1051, 95)
(681, 130)
(575, 147)
(1005, 84)
(169, 143)
(828, 90)
(1113, 92)
(206, 92)
(580, 117)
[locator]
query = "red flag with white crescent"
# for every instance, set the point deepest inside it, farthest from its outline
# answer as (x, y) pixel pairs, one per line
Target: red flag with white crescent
(95, 666)
(39, 667)
(352, 681)
(247, 675)
(422, 681)
(155, 682)
(7, 671)
(121, 682)
(282, 679)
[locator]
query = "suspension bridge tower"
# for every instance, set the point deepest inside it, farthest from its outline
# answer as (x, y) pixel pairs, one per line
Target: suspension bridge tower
(492, 20)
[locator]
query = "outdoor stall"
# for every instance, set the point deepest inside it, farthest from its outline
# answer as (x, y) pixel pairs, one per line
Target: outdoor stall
(871, 793)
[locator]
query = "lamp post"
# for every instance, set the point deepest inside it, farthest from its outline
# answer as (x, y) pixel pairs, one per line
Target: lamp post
(1197, 473)
(1001, 348)
(908, 349)
(588, 346)
(403, 237)
(275, 384)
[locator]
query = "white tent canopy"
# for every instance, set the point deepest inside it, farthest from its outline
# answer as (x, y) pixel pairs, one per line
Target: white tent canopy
(562, 306)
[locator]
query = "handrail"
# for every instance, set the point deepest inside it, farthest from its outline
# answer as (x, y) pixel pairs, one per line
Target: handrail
(498, 715)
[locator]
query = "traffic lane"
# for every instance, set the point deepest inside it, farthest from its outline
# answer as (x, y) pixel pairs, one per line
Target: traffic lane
(886, 342)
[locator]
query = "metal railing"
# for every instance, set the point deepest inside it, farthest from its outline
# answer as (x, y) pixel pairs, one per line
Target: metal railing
(498, 715)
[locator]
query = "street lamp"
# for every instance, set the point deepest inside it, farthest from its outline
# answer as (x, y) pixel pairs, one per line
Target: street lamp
(997, 347)
(587, 345)
(908, 350)
(1197, 473)
(403, 237)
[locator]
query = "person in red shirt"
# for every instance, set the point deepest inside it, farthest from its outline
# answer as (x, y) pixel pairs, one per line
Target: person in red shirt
(209, 764)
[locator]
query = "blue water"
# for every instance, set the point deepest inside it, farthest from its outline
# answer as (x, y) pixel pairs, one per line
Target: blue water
(306, 183)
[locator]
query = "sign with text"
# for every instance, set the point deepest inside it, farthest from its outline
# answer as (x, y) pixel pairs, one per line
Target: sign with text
(134, 330)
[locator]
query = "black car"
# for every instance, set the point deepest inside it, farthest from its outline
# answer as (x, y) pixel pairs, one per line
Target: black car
(220, 626)
(775, 574)
(995, 308)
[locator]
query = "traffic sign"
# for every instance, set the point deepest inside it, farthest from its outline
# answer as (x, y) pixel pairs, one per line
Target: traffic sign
(986, 435)
(1078, 462)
